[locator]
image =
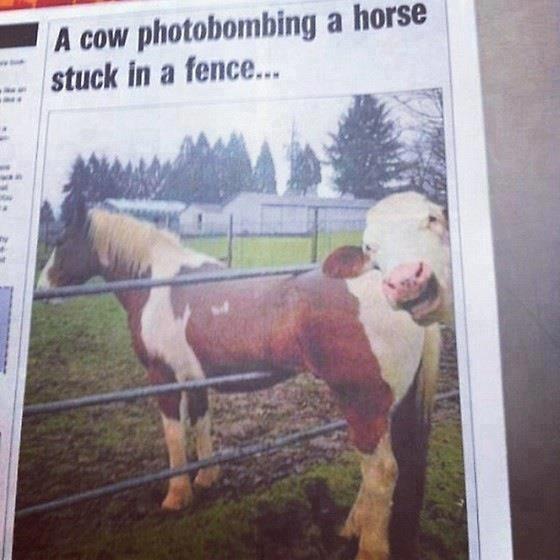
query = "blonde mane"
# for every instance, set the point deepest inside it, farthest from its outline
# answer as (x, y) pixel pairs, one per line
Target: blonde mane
(124, 241)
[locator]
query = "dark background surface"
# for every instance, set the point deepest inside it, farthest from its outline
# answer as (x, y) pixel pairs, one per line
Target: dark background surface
(520, 60)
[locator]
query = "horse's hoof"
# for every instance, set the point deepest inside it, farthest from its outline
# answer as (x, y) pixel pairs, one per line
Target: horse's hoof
(206, 477)
(176, 501)
(351, 527)
(349, 530)
(373, 555)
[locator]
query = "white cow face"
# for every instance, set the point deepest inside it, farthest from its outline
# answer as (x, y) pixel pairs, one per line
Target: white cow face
(407, 238)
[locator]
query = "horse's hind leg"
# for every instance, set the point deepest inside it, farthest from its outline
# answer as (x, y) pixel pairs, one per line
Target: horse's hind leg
(410, 430)
(370, 515)
(199, 415)
(172, 408)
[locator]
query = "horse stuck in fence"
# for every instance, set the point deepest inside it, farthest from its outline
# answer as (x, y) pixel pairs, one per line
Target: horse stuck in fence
(337, 321)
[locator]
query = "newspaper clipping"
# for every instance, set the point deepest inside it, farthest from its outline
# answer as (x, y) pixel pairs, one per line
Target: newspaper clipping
(234, 285)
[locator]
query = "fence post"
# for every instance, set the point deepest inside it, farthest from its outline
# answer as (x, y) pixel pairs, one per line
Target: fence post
(230, 242)
(315, 236)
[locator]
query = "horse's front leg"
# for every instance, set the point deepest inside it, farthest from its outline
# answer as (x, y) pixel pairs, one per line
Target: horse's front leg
(371, 513)
(173, 409)
(199, 414)
(366, 407)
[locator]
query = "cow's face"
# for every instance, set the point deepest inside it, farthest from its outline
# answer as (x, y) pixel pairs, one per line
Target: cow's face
(407, 238)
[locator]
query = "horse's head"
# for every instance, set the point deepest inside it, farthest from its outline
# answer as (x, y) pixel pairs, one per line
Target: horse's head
(72, 261)
(407, 238)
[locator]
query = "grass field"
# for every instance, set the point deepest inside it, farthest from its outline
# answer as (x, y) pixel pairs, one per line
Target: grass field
(251, 252)
(83, 347)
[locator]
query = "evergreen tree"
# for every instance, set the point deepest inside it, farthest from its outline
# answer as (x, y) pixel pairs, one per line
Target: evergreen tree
(46, 215)
(264, 174)
(117, 176)
(163, 175)
(141, 181)
(366, 151)
(78, 183)
(306, 173)
(179, 180)
(204, 187)
(239, 172)
(293, 152)
(220, 163)
(126, 187)
(103, 184)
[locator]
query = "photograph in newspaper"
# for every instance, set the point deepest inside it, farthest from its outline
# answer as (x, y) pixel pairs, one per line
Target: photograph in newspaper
(348, 191)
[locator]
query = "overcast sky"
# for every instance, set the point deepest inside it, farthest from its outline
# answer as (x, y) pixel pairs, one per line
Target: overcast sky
(130, 134)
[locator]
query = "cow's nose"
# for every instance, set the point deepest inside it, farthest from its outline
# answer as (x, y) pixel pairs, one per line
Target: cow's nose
(406, 281)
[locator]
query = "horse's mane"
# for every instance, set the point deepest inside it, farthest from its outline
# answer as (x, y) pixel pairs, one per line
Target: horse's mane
(120, 239)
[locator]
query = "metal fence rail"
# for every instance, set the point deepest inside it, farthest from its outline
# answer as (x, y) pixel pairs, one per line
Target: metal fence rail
(143, 392)
(217, 459)
(181, 280)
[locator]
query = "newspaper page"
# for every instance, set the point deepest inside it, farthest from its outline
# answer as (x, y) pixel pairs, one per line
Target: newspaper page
(247, 301)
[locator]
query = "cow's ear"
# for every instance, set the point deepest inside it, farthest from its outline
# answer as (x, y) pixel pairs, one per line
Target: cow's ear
(346, 262)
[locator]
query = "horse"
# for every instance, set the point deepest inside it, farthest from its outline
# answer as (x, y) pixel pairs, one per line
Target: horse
(407, 238)
(334, 321)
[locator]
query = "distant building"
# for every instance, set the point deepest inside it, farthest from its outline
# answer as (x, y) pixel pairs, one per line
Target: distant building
(269, 214)
(204, 219)
(250, 213)
(162, 213)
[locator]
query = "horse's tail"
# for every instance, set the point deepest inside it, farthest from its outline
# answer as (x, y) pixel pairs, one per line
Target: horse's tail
(410, 430)
(429, 371)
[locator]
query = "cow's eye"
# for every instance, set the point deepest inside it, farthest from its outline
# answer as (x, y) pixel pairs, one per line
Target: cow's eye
(432, 219)
(370, 248)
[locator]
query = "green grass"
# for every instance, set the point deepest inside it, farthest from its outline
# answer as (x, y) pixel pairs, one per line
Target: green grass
(250, 252)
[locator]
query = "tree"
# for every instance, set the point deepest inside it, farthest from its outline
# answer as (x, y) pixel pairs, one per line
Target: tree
(238, 170)
(46, 218)
(116, 172)
(78, 184)
(178, 182)
(46, 214)
(264, 174)
(306, 174)
(426, 171)
(293, 151)
(204, 187)
(366, 152)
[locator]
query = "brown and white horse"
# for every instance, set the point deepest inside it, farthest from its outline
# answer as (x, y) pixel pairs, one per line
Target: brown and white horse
(335, 322)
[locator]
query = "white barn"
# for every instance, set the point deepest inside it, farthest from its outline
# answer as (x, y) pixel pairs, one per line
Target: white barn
(162, 213)
(269, 214)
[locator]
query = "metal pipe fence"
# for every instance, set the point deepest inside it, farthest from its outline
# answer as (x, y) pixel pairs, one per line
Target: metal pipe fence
(141, 392)
(225, 275)
(144, 392)
(217, 459)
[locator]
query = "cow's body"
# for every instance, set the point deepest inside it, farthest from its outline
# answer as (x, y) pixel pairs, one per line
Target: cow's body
(335, 322)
